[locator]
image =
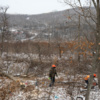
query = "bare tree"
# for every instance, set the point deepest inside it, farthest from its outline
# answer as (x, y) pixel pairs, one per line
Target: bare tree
(3, 25)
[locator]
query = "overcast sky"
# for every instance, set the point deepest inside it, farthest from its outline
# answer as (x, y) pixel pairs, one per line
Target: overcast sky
(33, 6)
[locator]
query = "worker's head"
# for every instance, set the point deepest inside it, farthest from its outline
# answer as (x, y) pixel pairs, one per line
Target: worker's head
(54, 66)
(94, 75)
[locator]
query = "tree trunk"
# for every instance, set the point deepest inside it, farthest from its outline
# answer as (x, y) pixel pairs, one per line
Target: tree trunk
(98, 39)
(10, 77)
(91, 76)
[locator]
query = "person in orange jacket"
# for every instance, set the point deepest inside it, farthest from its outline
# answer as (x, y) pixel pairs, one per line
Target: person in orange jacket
(52, 74)
(87, 80)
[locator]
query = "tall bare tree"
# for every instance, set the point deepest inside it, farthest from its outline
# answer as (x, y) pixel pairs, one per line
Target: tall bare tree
(3, 25)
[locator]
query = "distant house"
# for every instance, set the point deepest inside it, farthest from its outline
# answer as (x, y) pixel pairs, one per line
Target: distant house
(13, 30)
(16, 31)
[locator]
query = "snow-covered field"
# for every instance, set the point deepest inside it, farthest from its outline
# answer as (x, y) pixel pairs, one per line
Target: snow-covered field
(67, 86)
(42, 91)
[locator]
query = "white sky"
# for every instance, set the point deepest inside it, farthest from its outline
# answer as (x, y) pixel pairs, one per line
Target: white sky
(33, 6)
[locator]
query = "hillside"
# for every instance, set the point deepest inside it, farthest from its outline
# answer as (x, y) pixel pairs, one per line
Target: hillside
(57, 23)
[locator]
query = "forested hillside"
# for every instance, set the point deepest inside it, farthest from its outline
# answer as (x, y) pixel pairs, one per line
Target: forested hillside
(65, 23)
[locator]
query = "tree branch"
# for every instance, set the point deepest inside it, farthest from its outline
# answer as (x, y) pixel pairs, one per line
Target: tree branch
(94, 4)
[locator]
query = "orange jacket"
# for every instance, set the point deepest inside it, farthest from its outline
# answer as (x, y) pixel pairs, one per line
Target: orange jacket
(86, 78)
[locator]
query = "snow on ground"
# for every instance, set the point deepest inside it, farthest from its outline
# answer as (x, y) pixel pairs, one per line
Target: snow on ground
(60, 91)
(33, 56)
(57, 94)
(95, 95)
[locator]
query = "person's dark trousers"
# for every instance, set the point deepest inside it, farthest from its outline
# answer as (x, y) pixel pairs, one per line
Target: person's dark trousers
(86, 81)
(52, 81)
